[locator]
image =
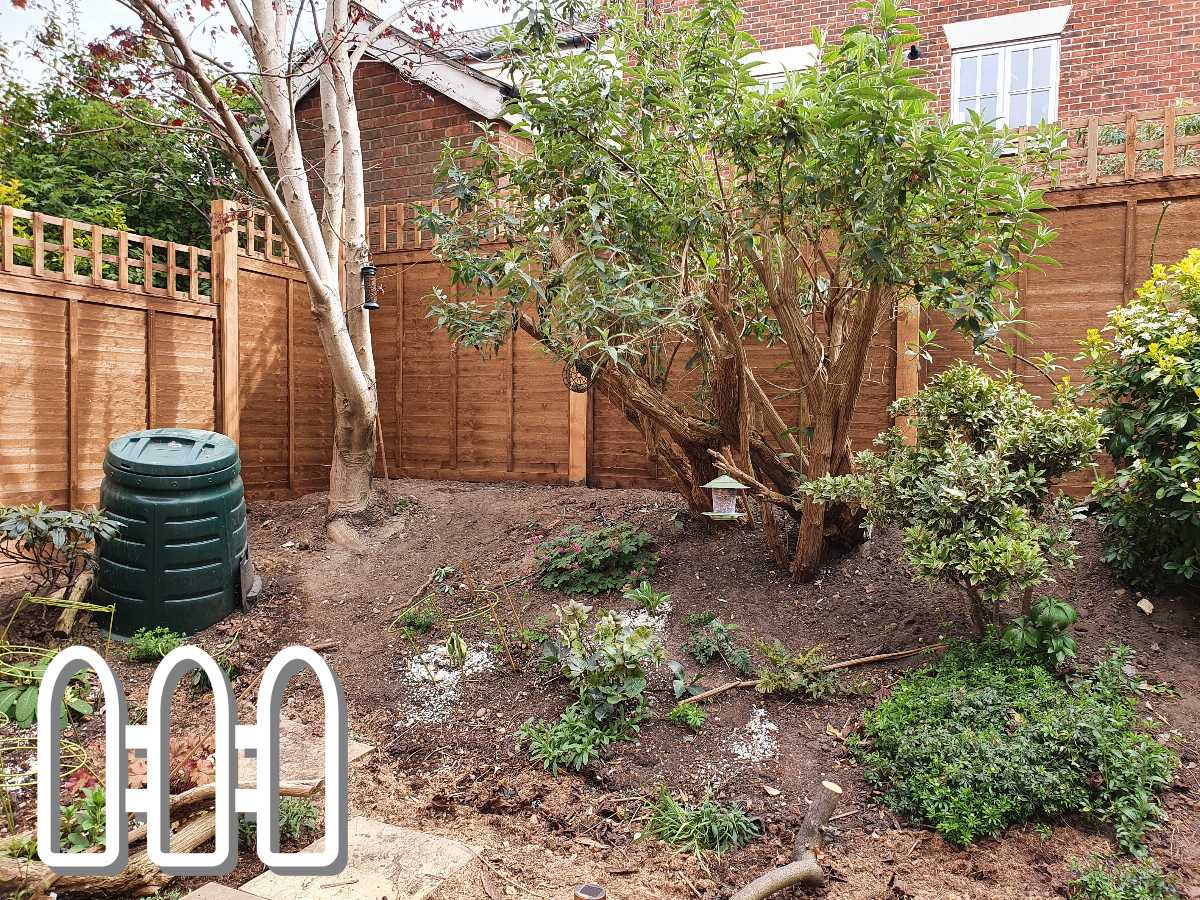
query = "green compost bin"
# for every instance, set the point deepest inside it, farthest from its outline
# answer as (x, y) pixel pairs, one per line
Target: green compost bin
(176, 560)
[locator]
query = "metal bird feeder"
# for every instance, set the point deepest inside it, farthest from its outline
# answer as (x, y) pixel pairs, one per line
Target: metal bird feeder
(725, 492)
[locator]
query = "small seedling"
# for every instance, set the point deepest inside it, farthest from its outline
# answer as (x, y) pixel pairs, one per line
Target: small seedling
(689, 715)
(650, 599)
(707, 826)
(82, 822)
(456, 647)
(1138, 880)
(711, 638)
(152, 644)
(535, 636)
(418, 620)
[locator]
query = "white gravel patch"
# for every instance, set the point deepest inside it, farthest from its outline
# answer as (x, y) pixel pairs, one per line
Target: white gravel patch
(436, 683)
(656, 622)
(755, 742)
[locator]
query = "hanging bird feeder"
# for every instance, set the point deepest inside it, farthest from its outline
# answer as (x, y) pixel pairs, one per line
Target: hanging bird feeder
(578, 375)
(725, 491)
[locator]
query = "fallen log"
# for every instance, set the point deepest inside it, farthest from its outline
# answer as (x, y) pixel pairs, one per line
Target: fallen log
(830, 667)
(804, 868)
(68, 618)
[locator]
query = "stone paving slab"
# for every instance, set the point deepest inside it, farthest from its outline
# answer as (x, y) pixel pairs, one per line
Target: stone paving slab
(387, 862)
(301, 757)
(214, 891)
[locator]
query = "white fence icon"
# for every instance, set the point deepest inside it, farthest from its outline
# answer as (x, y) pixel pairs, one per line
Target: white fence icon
(261, 738)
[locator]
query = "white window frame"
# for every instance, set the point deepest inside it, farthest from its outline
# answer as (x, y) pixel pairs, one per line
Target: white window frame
(772, 67)
(1004, 76)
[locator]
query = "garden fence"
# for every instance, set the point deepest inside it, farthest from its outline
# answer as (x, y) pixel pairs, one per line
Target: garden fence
(103, 332)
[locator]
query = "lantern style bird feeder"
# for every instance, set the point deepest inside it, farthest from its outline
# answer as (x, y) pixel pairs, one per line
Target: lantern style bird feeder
(369, 287)
(725, 491)
(578, 375)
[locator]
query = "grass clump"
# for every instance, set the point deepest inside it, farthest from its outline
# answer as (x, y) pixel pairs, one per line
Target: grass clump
(981, 740)
(708, 825)
(1139, 880)
(152, 644)
(709, 638)
(299, 819)
(689, 715)
(583, 561)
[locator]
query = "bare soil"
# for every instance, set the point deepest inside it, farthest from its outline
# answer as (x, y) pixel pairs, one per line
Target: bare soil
(447, 762)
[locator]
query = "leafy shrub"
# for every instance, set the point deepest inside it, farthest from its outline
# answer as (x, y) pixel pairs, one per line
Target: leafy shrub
(981, 740)
(710, 638)
(607, 663)
(1045, 632)
(575, 739)
(1146, 376)
(689, 715)
(1140, 880)
(592, 562)
(650, 599)
(973, 497)
(152, 644)
(299, 818)
(799, 673)
(57, 544)
(706, 826)
(21, 674)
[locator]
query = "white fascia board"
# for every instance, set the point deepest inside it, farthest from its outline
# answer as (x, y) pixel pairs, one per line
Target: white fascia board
(782, 59)
(458, 84)
(1022, 26)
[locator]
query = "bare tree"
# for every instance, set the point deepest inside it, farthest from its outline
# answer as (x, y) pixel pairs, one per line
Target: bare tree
(319, 206)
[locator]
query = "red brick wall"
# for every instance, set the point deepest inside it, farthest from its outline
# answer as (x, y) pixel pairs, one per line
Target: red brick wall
(1116, 55)
(404, 126)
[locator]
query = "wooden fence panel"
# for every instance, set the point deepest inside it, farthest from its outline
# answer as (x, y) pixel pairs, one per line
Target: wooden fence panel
(263, 359)
(102, 332)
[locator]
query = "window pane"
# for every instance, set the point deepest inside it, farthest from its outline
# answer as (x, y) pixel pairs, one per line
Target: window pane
(1042, 76)
(967, 81)
(1039, 108)
(1018, 106)
(964, 107)
(987, 108)
(1019, 80)
(989, 73)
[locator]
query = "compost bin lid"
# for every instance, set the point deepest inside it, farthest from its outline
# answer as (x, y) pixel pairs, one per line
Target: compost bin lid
(175, 452)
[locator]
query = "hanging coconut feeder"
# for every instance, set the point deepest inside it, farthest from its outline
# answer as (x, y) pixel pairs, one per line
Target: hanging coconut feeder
(725, 491)
(578, 375)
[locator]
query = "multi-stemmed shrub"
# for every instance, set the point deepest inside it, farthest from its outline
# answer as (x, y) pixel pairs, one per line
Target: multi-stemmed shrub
(1145, 372)
(56, 544)
(974, 497)
(982, 740)
(608, 558)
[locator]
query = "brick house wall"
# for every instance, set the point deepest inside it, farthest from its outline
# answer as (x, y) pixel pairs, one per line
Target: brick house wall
(404, 126)
(1116, 55)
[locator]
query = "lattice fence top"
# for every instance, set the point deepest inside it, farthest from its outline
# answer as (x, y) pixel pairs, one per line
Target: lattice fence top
(33, 243)
(1136, 146)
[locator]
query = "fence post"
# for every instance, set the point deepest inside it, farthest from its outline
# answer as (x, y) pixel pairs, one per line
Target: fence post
(577, 436)
(225, 292)
(907, 381)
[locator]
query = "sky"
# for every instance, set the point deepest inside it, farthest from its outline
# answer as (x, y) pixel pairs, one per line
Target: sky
(98, 17)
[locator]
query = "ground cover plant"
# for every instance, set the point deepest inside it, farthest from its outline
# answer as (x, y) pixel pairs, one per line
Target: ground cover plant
(982, 740)
(974, 497)
(596, 560)
(708, 825)
(1145, 374)
(709, 638)
(1139, 880)
(672, 215)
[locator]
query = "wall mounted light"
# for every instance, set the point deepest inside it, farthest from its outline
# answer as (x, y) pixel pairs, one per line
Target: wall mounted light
(914, 53)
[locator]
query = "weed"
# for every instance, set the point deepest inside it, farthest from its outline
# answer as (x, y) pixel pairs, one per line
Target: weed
(650, 599)
(22, 848)
(981, 740)
(418, 620)
(711, 638)
(689, 715)
(152, 644)
(224, 662)
(799, 673)
(576, 739)
(593, 562)
(707, 826)
(534, 637)
(1140, 880)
